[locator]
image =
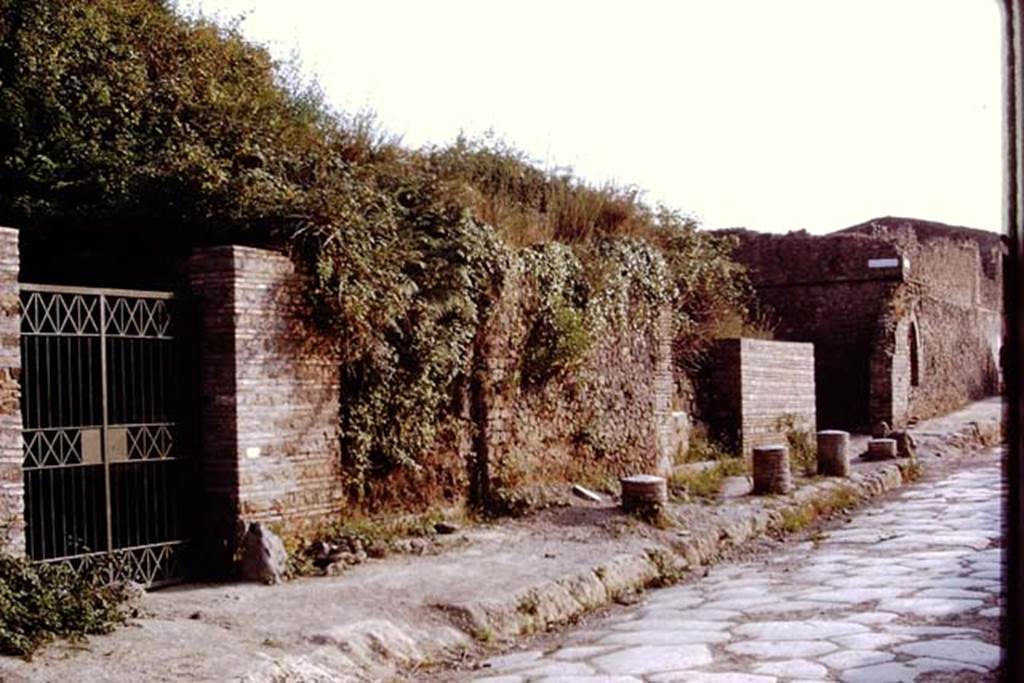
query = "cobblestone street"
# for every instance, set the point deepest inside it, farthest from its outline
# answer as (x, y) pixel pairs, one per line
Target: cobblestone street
(910, 589)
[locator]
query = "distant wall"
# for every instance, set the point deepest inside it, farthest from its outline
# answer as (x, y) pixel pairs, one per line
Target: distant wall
(945, 294)
(822, 290)
(753, 384)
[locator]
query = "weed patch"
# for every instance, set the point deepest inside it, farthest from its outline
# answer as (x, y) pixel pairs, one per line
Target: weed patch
(706, 483)
(670, 570)
(803, 447)
(40, 602)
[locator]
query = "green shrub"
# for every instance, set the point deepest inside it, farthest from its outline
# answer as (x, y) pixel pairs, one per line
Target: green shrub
(122, 123)
(39, 602)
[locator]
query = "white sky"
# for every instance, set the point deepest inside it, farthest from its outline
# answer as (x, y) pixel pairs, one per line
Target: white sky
(774, 115)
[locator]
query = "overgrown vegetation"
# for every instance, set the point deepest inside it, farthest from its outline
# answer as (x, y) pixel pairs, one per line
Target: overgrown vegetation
(379, 535)
(702, 448)
(122, 123)
(39, 602)
(803, 445)
(706, 483)
(795, 518)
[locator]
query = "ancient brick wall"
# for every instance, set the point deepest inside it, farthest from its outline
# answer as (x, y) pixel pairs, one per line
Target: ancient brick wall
(269, 408)
(612, 416)
(957, 363)
(754, 386)
(824, 290)
(268, 418)
(946, 290)
(12, 506)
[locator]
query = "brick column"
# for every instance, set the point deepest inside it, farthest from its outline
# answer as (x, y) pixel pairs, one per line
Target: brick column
(12, 488)
(269, 431)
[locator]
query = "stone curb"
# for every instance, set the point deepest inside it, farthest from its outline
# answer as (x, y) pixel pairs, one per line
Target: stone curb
(565, 600)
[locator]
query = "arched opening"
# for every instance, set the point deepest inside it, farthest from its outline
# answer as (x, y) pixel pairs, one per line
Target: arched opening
(914, 349)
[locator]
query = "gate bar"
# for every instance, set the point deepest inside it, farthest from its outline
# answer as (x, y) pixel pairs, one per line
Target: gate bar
(104, 421)
(61, 289)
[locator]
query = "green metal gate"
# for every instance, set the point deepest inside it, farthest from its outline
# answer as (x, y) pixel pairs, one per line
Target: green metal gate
(100, 398)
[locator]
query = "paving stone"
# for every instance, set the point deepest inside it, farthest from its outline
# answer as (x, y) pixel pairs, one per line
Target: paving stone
(670, 625)
(741, 603)
(704, 614)
(950, 593)
(799, 630)
(929, 664)
(511, 661)
(968, 651)
(599, 678)
(653, 659)
(685, 597)
(788, 607)
(891, 672)
(872, 617)
(664, 637)
(782, 648)
(929, 606)
(560, 669)
(849, 659)
(792, 668)
(854, 595)
(870, 641)
(710, 677)
(500, 679)
(992, 612)
(575, 653)
(930, 630)
(986, 574)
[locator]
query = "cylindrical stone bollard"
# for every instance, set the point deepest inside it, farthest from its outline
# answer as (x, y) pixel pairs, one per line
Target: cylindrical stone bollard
(771, 469)
(643, 492)
(833, 453)
(881, 449)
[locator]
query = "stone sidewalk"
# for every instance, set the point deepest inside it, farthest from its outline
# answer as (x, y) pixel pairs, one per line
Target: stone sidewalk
(908, 588)
(492, 583)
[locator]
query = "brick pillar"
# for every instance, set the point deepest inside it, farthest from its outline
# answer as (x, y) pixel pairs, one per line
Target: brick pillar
(12, 488)
(269, 430)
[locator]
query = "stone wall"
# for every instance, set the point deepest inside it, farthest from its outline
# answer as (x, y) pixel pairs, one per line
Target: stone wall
(955, 360)
(612, 416)
(946, 288)
(12, 491)
(822, 290)
(270, 406)
(754, 386)
(268, 418)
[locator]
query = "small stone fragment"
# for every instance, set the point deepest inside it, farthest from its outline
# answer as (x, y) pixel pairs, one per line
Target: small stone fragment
(586, 494)
(376, 549)
(263, 555)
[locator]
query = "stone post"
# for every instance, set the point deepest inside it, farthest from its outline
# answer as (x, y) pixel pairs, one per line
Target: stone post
(881, 449)
(643, 492)
(833, 453)
(12, 487)
(771, 470)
